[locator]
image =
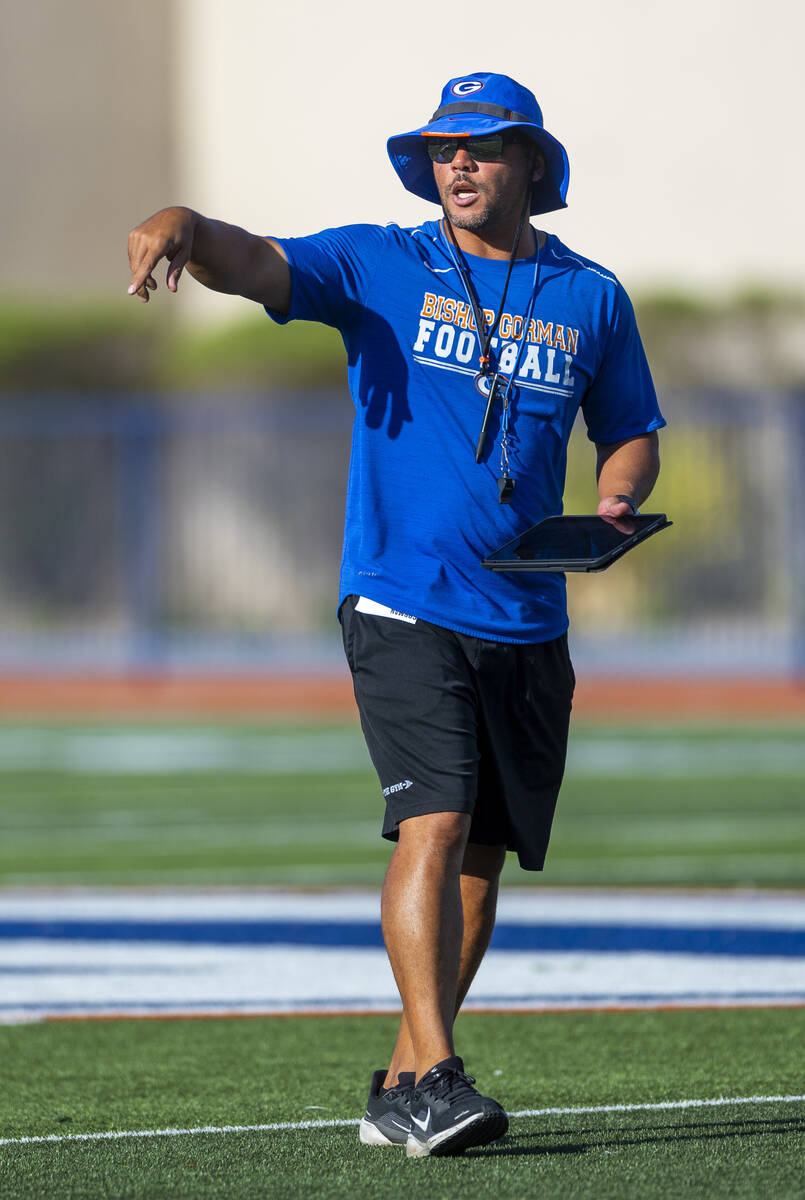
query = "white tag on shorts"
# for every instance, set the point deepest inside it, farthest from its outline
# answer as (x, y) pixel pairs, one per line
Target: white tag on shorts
(365, 605)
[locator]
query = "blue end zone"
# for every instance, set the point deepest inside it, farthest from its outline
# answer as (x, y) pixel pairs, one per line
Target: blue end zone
(755, 942)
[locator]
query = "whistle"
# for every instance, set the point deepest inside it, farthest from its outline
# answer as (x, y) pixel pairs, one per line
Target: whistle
(505, 489)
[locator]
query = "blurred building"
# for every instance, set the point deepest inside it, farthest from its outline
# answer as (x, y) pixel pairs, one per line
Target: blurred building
(680, 123)
(156, 529)
(88, 138)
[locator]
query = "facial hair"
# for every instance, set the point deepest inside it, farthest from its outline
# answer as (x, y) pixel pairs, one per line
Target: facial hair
(480, 215)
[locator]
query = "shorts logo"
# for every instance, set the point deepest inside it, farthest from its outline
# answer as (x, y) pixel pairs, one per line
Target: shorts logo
(402, 786)
(465, 87)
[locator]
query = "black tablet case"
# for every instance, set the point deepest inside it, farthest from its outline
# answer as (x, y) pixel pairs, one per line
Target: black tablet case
(584, 543)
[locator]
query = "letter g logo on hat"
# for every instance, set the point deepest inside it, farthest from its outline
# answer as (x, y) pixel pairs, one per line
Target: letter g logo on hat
(465, 87)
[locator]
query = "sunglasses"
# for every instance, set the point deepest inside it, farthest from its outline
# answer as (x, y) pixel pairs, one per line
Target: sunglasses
(482, 149)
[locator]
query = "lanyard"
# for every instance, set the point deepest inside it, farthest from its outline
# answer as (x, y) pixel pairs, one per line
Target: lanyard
(489, 380)
(484, 343)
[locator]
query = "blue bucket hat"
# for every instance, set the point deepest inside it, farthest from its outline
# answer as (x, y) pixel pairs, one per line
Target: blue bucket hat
(471, 106)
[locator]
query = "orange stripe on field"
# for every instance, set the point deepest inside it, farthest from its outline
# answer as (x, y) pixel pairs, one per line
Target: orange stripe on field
(160, 694)
(330, 696)
(524, 1010)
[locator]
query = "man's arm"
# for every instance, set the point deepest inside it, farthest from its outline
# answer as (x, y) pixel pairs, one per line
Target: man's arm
(222, 257)
(627, 468)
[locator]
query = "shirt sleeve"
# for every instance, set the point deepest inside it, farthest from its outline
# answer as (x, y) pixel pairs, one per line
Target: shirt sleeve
(331, 273)
(621, 401)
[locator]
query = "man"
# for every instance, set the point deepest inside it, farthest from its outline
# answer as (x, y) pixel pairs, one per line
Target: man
(471, 342)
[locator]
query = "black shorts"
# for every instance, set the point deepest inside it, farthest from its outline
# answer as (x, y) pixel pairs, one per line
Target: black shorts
(460, 724)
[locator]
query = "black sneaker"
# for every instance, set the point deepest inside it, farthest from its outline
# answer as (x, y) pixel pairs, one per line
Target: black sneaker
(448, 1115)
(388, 1113)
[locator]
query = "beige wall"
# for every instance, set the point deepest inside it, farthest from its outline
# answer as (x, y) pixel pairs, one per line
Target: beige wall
(681, 121)
(85, 138)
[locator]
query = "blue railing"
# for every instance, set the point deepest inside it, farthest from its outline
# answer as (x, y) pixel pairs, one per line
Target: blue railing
(206, 530)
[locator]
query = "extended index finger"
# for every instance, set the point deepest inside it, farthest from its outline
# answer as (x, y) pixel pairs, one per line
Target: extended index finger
(142, 269)
(145, 251)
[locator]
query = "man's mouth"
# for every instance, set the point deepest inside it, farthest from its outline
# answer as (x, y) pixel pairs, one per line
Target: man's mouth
(463, 194)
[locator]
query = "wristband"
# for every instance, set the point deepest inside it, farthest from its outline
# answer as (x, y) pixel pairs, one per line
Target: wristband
(630, 501)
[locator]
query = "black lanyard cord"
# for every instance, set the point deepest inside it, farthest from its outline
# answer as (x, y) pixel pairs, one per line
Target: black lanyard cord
(485, 342)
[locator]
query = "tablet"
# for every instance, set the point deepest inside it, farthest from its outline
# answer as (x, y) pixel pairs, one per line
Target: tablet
(587, 543)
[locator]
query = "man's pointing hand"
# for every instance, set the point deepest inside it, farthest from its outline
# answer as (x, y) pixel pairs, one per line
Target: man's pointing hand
(168, 234)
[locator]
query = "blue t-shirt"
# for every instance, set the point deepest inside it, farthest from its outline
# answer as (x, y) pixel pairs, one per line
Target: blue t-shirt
(421, 513)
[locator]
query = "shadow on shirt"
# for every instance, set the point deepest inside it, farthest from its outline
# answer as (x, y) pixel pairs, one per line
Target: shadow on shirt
(383, 371)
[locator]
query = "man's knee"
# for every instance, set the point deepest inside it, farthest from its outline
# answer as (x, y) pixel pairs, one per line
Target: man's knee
(439, 833)
(483, 862)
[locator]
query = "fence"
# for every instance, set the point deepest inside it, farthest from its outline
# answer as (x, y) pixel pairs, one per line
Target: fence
(197, 531)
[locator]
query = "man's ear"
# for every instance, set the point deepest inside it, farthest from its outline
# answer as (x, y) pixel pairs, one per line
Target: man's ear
(539, 168)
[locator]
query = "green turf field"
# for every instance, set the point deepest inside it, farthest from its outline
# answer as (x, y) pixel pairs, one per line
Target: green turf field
(290, 804)
(78, 1078)
(242, 803)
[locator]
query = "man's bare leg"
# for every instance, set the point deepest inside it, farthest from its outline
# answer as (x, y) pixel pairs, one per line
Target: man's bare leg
(480, 875)
(480, 870)
(423, 927)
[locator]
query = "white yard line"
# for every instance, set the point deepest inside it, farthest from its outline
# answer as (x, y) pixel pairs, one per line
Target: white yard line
(538, 905)
(286, 1126)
